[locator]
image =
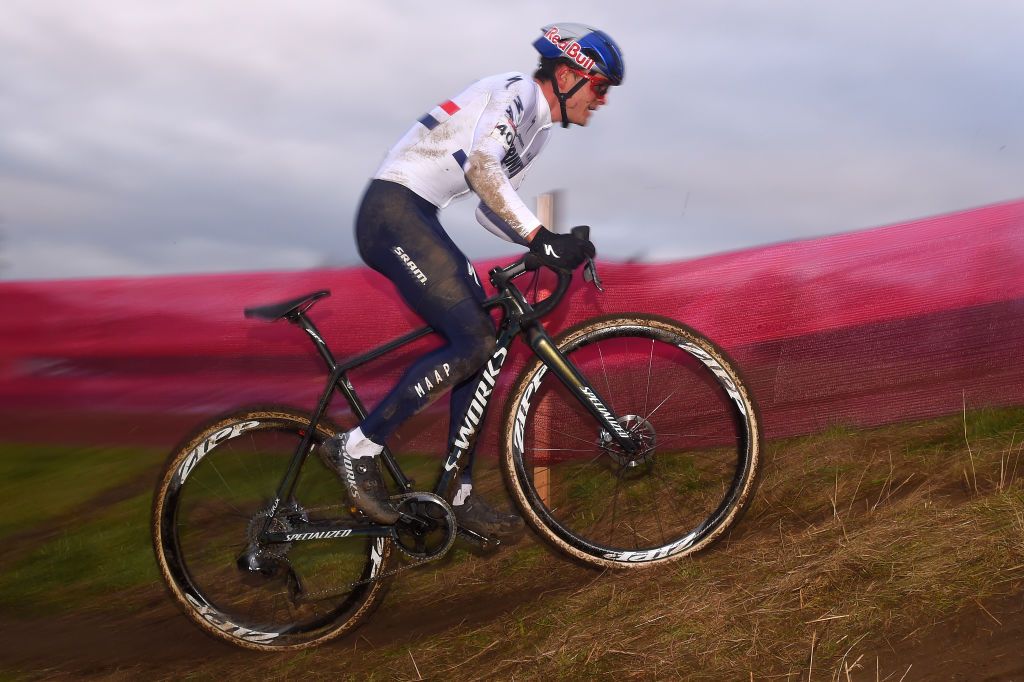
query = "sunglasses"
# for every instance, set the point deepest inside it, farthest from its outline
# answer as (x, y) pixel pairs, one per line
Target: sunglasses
(599, 84)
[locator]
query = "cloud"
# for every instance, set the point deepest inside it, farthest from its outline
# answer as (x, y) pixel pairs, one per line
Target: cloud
(133, 129)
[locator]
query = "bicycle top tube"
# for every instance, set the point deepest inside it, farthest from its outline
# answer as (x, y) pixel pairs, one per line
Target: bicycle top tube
(517, 310)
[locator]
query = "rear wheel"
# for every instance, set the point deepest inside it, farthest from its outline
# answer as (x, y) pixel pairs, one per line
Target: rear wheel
(210, 506)
(680, 400)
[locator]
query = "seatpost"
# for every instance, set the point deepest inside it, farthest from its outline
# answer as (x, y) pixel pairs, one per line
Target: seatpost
(307, 325)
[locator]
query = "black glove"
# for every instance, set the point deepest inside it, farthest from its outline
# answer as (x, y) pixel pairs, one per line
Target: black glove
(560, 251)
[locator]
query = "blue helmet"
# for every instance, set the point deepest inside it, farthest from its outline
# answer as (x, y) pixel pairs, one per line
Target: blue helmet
(592, 50)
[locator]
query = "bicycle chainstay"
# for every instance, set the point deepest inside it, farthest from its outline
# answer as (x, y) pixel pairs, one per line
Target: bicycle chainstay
(343, 589)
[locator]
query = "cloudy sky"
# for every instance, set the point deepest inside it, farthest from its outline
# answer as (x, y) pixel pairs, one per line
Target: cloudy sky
(232, 135)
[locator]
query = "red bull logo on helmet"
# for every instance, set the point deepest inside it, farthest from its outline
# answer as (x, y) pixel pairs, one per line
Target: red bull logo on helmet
(570, 48)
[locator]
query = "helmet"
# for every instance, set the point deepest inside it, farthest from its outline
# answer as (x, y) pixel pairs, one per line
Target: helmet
(592, 50)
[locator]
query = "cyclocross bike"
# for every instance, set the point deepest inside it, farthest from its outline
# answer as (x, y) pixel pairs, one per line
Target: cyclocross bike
(627, 441)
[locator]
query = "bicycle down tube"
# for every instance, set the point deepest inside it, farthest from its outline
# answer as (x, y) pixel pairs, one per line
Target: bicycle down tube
(519, 317)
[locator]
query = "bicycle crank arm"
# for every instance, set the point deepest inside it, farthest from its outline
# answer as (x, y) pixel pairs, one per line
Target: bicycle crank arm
(482, 541)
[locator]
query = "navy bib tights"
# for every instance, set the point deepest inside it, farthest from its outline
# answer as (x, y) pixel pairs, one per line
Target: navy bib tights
(399, 236)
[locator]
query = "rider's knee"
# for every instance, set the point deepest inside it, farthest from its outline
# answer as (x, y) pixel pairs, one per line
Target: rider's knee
(485, 349)
(478, 344)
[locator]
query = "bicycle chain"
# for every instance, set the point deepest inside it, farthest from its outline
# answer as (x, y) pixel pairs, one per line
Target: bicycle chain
(344, 589)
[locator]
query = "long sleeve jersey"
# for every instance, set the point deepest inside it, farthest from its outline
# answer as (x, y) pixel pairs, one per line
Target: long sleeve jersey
(494, 129)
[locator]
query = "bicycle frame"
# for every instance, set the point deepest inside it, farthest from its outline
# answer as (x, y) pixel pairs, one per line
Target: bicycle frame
(519, 317)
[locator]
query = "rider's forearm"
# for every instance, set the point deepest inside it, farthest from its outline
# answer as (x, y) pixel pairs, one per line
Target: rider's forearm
(486, 178)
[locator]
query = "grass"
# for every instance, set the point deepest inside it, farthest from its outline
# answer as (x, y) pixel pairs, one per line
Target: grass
(855, 537)
(84, 563)
(857, 541)
(43, 483)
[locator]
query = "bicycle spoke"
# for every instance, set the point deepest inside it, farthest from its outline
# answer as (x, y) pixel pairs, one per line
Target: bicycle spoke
(632, 526)
(582, 440)
(618, 506)
(650, 370)
(217, 471)
(210, 532)
(703, 436)
(583, 467)
(604, 370)
(648, 417)
(615, 507)
(238, 512)
(660, 481)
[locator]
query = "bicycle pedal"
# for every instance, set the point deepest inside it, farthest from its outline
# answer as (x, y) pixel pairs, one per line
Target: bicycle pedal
(481, 542)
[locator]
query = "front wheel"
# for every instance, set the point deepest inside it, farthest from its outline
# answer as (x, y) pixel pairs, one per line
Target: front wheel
(684, 405)
(215, 496)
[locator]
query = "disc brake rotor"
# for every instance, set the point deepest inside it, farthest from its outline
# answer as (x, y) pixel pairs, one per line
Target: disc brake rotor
(642, 433)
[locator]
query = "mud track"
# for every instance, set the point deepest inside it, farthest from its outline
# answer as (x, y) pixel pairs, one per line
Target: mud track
(156, 641)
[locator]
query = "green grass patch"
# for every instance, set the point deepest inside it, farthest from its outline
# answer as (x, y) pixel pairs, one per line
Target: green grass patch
(994, 422)
(422, 469)
(84, 564)
(44, 482)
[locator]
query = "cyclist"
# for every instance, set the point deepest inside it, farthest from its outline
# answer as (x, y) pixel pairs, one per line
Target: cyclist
(481, 140)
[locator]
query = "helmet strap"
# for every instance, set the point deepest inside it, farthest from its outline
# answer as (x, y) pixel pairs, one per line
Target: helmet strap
(564, 97)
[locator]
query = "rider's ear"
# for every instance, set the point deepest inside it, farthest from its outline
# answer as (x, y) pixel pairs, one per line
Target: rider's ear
(562, 73)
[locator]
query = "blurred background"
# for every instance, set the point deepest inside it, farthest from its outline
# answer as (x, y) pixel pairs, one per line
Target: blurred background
(142, 139)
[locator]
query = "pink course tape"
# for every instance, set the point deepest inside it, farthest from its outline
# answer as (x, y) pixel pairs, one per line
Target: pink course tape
(882, 325)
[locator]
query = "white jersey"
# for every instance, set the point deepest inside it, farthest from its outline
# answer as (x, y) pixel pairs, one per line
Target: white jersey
(502, 120)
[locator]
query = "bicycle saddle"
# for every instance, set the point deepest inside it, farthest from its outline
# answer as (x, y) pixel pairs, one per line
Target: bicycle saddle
(286, 309)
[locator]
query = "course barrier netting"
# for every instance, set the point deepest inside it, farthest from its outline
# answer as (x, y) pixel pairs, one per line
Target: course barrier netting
(884, 325)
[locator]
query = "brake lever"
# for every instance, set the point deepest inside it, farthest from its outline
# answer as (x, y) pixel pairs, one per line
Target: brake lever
(590, 274)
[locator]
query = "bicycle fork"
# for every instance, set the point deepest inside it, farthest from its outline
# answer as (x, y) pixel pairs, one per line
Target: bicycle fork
(561, 367)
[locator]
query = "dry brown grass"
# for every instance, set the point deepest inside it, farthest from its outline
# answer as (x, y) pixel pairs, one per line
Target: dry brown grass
(857, 542)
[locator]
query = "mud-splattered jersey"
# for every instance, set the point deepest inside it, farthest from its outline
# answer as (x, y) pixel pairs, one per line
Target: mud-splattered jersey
(505, 120)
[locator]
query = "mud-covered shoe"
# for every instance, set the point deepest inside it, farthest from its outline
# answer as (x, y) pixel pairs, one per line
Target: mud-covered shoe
(478, 516)
(362, 480)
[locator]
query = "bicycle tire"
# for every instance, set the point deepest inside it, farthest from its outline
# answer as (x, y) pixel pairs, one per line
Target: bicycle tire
(212, 487)
(671, 388)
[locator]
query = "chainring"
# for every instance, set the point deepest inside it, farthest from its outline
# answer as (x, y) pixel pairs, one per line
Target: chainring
(430, 530)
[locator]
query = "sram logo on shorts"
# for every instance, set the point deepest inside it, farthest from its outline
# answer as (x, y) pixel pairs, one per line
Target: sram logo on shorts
(409, 263)
(199, 451)
(570, 48)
